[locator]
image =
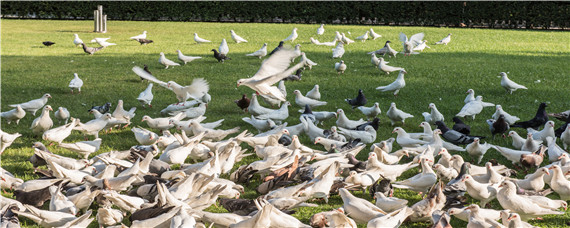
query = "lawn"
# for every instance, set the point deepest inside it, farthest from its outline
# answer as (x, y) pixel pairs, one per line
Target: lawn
(441, 75)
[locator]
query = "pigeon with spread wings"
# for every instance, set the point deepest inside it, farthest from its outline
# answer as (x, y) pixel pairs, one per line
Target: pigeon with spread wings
(196, 90)
(272, 70)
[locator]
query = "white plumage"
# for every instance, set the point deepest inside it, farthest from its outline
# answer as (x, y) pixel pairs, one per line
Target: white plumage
(508, 84)
(75, 83)
(395, 86)
(186, 59)
(200, 40)
(259, 53)
(238, 39)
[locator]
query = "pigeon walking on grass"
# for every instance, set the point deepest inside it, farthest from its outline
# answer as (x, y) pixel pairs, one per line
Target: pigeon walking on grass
(48, 43)
(395, 86)
(166, 62)
(454, 136)
(539, 119)
(200, 40)
(33, 105)
(508, 84)
(76, 83)
(186, 59)
(236, 38)
(359, 100)
(91, 50)
(219, 56)
(259, 53)
(340, 67)
(445, 40)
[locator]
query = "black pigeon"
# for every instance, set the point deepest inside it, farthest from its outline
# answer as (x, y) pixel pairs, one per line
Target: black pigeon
(145, 41)
(382, 185)
(358, 166)
(360, 100)
(374, 123)
(539, 119)
(91, 50)
(285, 140)
(35, 159)
(563, 116)
(460, 126)
(294, 77)
(238, 206)
(102, 109)
(243, 103)
(146, 70)
(219, 56)
(48, 43)
(149, 212)
(454, 136)
(499, 126)
(277, 48)
(558, 132)
(308, 114)
(456, 188)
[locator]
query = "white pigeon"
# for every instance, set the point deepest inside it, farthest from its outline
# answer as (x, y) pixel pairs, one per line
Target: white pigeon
(166, 62)
(236, 38)
(508, 117)
(200, 40)
(7, 139)
(62, 114)
(472, 108)
(255, 108)
(33, 105)
(297, 51)
(397, 115)
(340, 67)
(279, 114)
(565, 137)
(314, 93)
(84, 148)
(186, 59)
(259, 53)
(192, 112)
(140, 36)
(14, 115)
(374, 60)
(338, 37)
(445, 40)
(293, 36)
(198, 89)
(410, 43)
(122, 115)
(94, 126)
(360, 210)
(43, 122)
(421, 46)
(338, 51)
(385, 50)
(384, 67)
(77, 41)
(102, 41)
(470, 96)
(548, 130)
(260, 125)
(344, 122)
(420, 182)
(75, 83)
(272, 70)
(363, 37)
(366, 136)
(346, 40)
(317, 42)
(509, 85)
(144, 136)
(224, 49)
(395, 86)
(374, 35)
(434, 115)
(477, 150)
(370, 112)
(60, 133)
(321, 29)
(405, 140)
(145, 97)
(302, 100)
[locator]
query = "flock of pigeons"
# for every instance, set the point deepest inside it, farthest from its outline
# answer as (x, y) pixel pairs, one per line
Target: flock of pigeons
(141, 183)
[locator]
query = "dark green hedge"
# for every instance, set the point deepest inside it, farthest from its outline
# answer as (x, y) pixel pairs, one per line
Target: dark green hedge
(473, 14)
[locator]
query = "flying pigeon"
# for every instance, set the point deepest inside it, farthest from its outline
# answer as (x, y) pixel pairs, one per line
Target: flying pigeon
(75, 83)
(360, 100)
(198, 89)
(509, 85)
(395, 86)
(200, 40)
(236, 38)
(409, 44)
(166, 62)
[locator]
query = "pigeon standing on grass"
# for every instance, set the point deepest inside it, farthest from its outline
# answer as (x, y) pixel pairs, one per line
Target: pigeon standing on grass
(243, 103)
(321, 29)
(360, 100)
(340, 67)
(224, 49)
(460, 126)
(77, 41)
(338, 51)
(102, 41)
(90, 50)
(260, 53)
(236, 38)
(14, 115)
(166, 62)
(374, 35)
(33, 105)
(140, 36)
(293, 36)
(363, 37)
(62, 114)
(385, 68)
(499, 126)
(43, 122)
(145, 97)
(200, 40)
(277, 48)
(509, 85)
(186, 59)
(539, 119)
(371, 112)
(472, 108)
(454, 136)
(397, 115)
(314, 93)
(395, 86)
(385, 50)
(445, 40)
(145, 41)
(75, 83)
(219, 56)
(48, 43)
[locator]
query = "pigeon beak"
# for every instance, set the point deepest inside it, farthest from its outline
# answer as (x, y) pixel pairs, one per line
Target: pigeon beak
(552, 167)
(393, 131)
(315, 142)
(50, 109)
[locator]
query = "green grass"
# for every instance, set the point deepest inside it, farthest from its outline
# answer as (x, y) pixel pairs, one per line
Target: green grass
(440, 75)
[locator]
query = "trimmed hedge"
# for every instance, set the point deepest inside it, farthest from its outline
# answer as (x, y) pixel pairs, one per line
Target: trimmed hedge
(531, 15)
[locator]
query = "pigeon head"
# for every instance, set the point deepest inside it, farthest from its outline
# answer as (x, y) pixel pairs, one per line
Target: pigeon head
(214, 50)
(542, 105)
(240, 82)
(503, 74)
(470, 91)
(162, 54)
(47, 107)
(440, 125)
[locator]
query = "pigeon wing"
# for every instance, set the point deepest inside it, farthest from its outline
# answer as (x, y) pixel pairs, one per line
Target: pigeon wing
(143, 74)
(277, 63)
(417, 38)
(197, 89)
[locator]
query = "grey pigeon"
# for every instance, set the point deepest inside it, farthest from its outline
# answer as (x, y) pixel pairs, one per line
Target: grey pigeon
(308, 114)
(103, 108)
(454, 136)
(91, 50)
